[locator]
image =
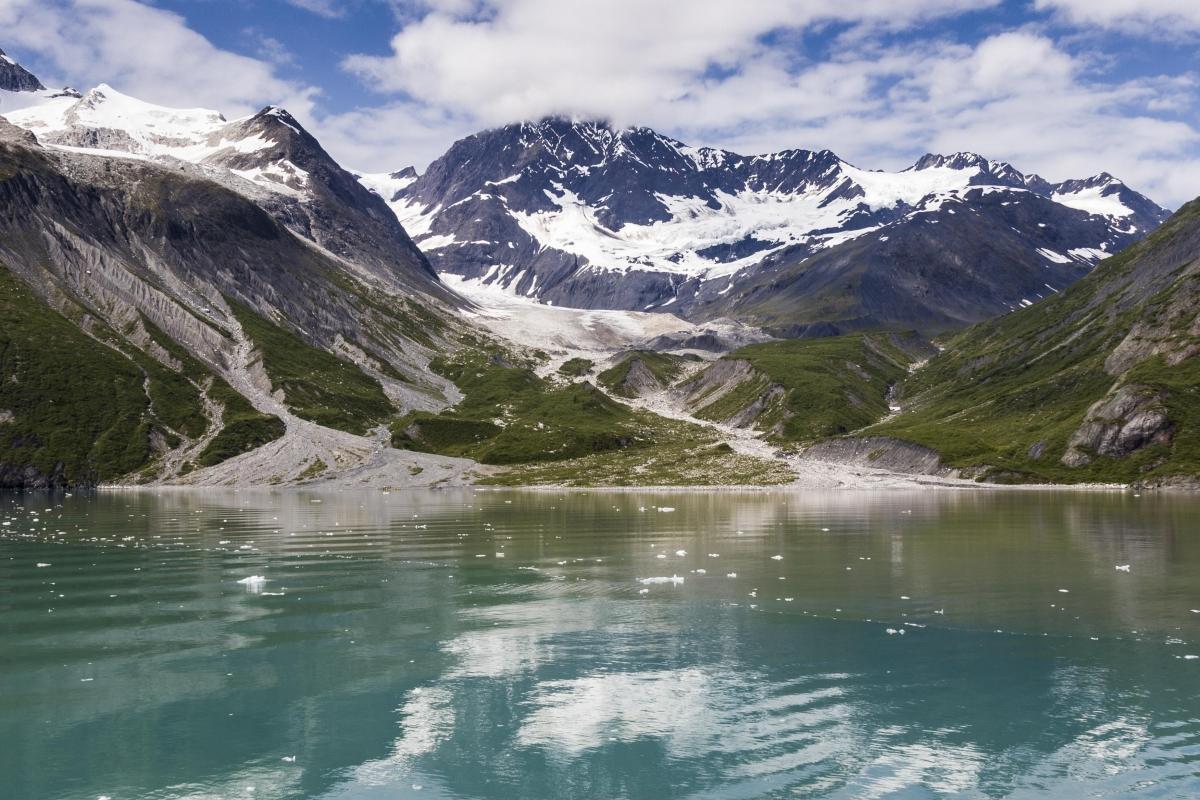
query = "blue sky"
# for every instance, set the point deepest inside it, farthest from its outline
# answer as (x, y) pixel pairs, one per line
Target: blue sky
(1065, 88)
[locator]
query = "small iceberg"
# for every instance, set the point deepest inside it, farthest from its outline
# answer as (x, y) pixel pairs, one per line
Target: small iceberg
(254, 583)
(674, 580)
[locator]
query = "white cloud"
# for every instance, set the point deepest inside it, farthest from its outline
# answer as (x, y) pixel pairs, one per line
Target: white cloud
(145, 51)
(621, 59)
(1154, 16)
(324, 8)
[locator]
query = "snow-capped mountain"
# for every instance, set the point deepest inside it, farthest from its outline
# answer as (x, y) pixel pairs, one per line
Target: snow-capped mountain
(582, 214)
(268, 157)
(15, 78)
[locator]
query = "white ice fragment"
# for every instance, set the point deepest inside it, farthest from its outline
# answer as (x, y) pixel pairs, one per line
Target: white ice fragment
(1122, 567)
(777, 558)
(674, 580)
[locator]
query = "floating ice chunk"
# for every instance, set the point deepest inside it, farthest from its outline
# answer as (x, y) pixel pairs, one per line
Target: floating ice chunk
(674, 580)
(254, 583)
(777, 558)
(1122, 567)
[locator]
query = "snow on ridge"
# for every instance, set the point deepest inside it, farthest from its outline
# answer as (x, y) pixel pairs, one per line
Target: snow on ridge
(1093, 200)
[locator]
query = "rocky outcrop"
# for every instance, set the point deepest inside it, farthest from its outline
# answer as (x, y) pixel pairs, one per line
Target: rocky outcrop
(880, 452)
(1128, 419)
(15, 78)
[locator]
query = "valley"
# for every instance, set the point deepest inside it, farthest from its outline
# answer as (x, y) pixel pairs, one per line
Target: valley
(191, 300)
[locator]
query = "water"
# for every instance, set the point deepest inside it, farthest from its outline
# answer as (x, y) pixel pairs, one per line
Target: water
(394, 653)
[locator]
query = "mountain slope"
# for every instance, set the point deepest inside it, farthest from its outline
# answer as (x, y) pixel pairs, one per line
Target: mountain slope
(183, 292)
(1100, 383)
(581, 214)
(267, 157)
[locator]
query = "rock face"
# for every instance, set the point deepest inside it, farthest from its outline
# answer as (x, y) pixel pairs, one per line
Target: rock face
(582, 214)
(880, 452)
(1130, 418)
(15, 78)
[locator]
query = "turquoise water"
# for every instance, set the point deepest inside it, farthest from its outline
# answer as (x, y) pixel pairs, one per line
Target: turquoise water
(539, 645)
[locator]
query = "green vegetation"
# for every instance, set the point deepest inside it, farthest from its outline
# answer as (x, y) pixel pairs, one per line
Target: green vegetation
(317, 385)
(511, 416)
(576, 367)
(822, 387)
(244, 427)
(663, 367)
(74, 408)
(1006, 396)
(683, 455)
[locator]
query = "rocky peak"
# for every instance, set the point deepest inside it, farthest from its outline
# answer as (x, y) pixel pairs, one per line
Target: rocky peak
(15, 78)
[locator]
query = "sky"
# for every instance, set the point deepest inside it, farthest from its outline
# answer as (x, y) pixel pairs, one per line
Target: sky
(1064, 88)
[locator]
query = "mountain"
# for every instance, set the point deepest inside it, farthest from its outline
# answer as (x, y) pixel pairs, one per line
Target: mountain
(267, 157)
(15, 78)
(1100, 383)
(582, 214)
(185, 299)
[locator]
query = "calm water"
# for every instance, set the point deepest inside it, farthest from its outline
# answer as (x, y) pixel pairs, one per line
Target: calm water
(484, 645)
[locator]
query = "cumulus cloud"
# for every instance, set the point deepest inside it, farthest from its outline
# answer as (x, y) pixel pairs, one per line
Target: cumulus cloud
(146, 52)
(620, 59)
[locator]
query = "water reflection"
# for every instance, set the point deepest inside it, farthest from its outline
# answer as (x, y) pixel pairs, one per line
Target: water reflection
(465, 645)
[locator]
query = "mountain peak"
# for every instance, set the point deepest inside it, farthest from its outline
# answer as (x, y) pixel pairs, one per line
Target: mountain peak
(15, 78)
(960, 160)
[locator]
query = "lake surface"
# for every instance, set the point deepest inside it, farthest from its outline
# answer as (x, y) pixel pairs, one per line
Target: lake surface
(596, 645)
